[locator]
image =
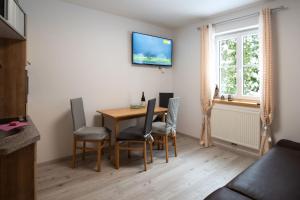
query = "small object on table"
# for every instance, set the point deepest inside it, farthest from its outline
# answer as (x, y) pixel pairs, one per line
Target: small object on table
(143, 100)
(137, 106)
(216, 94)
(12, 125)
(222, 97)
(230, 98)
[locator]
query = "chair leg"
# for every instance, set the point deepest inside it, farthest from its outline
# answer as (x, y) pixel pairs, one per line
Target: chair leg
(145, 156)
(83, 150)
(158, 143)
(74, 152)
(99, 154)
(128, 151)
(167, 148)
(151, 151)
(175, 145)
(117, 159)
(109, 147)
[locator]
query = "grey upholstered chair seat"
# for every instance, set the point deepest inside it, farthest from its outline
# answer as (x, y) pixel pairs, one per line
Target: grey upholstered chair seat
(92, 133)
(160, 128)
(132, 133)
(168, 128)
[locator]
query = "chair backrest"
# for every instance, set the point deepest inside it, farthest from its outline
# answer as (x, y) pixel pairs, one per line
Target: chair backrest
(78, 115)
(173, 108)
(149, 117)
(164, 99)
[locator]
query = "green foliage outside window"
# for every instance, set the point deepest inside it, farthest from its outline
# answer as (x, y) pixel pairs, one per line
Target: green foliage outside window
(250, 66)
(228, 70)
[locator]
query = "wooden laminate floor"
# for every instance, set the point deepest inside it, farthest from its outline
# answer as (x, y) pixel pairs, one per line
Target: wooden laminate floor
(194, 174)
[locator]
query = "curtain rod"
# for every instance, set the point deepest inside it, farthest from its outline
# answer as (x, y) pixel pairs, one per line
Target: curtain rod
(246, 16)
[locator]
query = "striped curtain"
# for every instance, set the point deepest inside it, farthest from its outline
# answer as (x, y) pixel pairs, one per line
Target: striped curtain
(205, 77)
(267, 80)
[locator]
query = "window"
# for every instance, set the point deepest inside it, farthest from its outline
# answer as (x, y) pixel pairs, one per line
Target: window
(238, 64)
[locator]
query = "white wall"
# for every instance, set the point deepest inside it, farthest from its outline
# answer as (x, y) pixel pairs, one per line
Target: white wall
(186, 79)
(286, 57)
(76, 52)
(286, 28)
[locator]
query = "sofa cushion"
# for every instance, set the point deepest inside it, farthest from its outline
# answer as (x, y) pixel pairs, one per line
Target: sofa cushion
(226, 194)
(275, 176)
(289, 144)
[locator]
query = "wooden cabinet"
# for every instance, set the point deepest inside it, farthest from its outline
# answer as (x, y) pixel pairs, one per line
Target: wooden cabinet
(13, 81)
(12, 78)
(17, 174)
(18, 164)
(18, 151)
(13, 20)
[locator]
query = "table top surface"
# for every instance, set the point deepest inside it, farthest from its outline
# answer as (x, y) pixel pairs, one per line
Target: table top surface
(118, 113)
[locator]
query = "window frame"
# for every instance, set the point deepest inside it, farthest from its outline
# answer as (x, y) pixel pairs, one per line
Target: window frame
(239, 37)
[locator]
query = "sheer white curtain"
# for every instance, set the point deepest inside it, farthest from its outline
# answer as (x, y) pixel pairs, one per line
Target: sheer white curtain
(267, 106)
(207, 79)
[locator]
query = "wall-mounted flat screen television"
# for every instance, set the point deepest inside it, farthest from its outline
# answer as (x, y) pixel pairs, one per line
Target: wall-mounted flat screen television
(151, 50)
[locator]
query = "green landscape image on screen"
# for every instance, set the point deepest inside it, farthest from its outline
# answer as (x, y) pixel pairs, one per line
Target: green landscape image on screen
(140, 58)
(151, 50)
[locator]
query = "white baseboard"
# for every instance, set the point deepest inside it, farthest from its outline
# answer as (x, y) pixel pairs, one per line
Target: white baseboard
(236, 148)
(190, 136)
(229, 146)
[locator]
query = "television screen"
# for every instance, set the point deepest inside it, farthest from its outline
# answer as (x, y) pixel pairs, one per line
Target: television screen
(151, 50)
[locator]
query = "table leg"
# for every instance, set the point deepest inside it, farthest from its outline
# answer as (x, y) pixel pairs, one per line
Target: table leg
(102, 121)
(116, 131)
(109, 140)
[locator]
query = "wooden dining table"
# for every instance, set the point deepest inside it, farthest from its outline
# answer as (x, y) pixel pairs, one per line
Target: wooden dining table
(120, 114)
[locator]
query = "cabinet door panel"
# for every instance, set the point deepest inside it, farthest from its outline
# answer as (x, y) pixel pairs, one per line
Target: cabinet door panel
(2, 8)
(20, 21)
(16, 17)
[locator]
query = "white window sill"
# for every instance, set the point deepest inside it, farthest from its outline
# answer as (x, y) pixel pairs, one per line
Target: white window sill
(238, 102)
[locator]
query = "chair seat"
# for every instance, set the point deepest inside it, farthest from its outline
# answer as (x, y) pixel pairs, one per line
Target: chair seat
(92, 133)
(132, 133)
(160, 128)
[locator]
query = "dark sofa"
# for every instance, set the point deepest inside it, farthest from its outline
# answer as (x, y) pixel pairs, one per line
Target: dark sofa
(275, 176)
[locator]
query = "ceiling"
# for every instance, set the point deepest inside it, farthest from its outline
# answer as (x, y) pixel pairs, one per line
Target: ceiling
(169, 13)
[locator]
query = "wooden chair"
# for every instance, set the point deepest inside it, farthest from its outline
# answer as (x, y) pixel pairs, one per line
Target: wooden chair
(97, 135)
(163, 102)
(141, 135)
(165, 130)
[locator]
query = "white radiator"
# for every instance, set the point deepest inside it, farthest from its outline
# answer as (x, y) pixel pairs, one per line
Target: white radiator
(238, 125)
